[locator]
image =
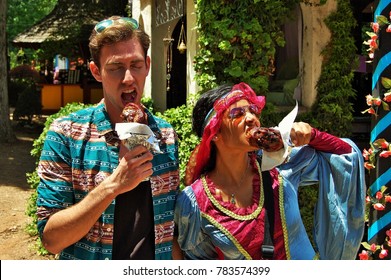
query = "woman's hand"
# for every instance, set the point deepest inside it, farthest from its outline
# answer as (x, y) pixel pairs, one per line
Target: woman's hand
(300, 133)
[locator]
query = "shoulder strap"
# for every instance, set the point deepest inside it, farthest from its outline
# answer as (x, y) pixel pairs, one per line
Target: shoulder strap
(268, 247)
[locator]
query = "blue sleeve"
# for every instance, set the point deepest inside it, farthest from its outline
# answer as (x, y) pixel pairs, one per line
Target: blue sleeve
(194, 243)
(339, 217)
(340, 211)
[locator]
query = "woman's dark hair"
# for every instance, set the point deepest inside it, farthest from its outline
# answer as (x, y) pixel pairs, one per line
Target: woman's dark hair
(205, 104)
(201, 110)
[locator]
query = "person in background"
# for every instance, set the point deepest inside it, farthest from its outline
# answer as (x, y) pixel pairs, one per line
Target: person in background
(241, 199)
(96, 198)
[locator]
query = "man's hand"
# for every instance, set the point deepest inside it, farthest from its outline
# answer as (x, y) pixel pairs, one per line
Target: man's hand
(134, 166)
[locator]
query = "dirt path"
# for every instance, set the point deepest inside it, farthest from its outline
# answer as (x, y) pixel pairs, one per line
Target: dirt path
(15, 162)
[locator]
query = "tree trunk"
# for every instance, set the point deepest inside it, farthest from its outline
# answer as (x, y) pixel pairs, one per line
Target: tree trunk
(6, 132)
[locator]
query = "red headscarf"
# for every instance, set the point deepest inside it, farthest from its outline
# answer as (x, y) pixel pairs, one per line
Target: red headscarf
(201, 154)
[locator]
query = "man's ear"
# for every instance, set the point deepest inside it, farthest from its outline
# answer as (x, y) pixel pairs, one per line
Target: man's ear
(95, 71)
(148, 64)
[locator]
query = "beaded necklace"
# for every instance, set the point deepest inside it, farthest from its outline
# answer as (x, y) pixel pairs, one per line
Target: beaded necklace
(229, 213)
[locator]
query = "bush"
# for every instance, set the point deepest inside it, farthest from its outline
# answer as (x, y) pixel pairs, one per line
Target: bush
(180, 119)
(25, 97)
(15, 86)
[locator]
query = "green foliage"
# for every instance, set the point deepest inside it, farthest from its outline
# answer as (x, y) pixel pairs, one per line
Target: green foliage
(270, 117)
(308, 196)
(76, 32)
(21, 15)
(14, 88)
(148, 103)
(314, 3)
(238, 41)
(333, 110)
(28, 100)
(180, 119)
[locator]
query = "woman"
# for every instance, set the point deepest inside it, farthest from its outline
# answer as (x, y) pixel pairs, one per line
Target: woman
(235, 210)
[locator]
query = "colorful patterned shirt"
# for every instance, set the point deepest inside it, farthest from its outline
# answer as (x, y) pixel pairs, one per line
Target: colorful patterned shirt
(79, 152)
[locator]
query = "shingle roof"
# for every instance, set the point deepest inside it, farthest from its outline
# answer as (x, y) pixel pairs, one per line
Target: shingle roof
(50, 27)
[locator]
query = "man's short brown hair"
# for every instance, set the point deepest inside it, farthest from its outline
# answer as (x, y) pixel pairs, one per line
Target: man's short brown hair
(118, 31)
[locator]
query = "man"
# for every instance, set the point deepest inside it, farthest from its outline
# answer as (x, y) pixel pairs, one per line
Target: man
(94, 198)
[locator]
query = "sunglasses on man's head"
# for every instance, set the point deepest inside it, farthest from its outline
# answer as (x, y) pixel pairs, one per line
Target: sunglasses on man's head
(238, 112)
(101, 26)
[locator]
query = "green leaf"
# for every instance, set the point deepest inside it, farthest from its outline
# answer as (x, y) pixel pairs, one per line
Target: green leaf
(386, 107)
(235, 71)
(382, 20)
(366, 245)
(371, 34)
(386, 82)
(224, 45)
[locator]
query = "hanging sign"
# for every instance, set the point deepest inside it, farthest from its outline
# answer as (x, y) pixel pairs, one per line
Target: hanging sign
(168, 10)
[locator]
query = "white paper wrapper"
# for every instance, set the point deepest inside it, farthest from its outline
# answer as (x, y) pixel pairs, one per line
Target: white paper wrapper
(133, 134)
(273, 159)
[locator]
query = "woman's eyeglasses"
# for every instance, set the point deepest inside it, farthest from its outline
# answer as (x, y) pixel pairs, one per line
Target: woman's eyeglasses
(238, 112)
(101, 26)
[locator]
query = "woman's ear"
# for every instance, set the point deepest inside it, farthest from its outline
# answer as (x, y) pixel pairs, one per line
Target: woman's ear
(217, 136)
(95, 71)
